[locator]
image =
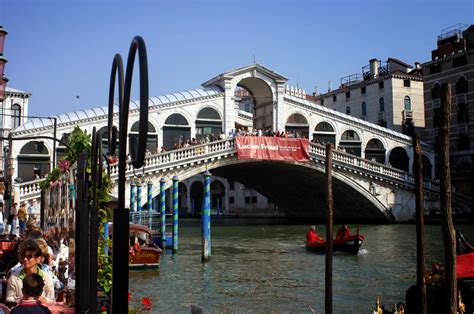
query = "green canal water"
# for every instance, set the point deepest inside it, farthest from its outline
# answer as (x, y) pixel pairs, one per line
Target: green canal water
(267, 269)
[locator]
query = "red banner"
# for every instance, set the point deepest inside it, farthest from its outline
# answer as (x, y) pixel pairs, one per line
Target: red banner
(272, 148)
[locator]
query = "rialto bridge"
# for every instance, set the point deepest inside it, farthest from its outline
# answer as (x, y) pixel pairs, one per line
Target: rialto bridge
(372, 164)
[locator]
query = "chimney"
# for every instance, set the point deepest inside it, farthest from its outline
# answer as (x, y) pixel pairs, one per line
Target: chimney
(417, 65)
(329, 86)
(374, 68)
(315, 93)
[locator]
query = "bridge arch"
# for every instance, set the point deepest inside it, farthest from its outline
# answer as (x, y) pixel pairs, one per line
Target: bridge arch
(208, 121)
(399, 159)
(301, 191)
(297, 122)
(262, 92)
(375, 150)
(324, 132)
(152, 136)
(33, 160)
(351, 142)
(176, 129)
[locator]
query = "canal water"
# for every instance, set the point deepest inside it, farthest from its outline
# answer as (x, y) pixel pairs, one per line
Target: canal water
(267, 269)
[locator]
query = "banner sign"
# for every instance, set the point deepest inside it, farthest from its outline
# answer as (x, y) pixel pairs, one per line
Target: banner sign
(272, 148)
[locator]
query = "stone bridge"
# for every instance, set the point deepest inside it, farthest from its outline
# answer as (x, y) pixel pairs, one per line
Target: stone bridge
(363, 189)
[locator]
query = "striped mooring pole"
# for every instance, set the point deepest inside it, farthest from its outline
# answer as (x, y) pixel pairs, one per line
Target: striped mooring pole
(132, 198)
(163, 213)
(175, 213)
(139, 201)
(150, 204)
(206, 219)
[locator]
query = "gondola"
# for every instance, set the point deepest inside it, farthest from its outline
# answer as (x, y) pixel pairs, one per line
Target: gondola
(349, 244)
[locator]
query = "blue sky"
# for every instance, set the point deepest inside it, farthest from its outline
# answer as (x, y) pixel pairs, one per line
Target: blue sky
(60, 49)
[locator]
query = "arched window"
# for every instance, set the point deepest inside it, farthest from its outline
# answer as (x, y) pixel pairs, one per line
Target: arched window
(323, 133)
(407, 103)
(208, 122)
(297, 126)
(364, 108)
(152, 137)
(16, 116)
(461, 85)
(435, 91)
(381, 104)
(348, 110)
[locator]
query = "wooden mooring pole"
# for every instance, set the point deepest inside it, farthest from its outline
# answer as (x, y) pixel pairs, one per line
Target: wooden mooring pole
(449, 235)
(420, 226)
(329, 225)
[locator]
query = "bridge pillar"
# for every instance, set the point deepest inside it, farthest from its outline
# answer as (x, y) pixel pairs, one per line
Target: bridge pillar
(206, 218)
(132, 197)
(163, 213)
(139, 201)
(150, 204)
(175, 213)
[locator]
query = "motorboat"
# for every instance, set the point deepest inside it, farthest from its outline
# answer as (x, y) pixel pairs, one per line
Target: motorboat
(349, 244)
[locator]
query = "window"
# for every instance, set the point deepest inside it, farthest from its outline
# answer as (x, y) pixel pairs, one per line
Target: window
(254, 200)
(436, 91)
(407, 103)
(247, 200)
(364, 109)
(231, 200)
(348, 110)
(348, 95)
(334, 98)
(406, 83)
(436, 117)
(461, 85)
(362, 90)
(231, 184)
(463, 113)
(381, 84)
(381, 104)
(16, 116)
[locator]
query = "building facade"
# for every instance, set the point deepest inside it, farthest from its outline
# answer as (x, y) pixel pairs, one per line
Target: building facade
(13, 113)
(452, 63)
(388, 93)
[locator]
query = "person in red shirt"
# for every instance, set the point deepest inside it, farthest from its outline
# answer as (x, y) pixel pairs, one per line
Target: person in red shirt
(311, 236)
(343, 232)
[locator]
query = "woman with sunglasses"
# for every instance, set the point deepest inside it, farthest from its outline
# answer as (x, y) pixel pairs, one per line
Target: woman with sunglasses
(30, 258)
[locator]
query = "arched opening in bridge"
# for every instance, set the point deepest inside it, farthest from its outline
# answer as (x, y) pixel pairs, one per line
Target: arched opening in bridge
(399, 158)
(183, 200)
(61, 150)
(258, 93)
(197, 196)
(324, 133)
(463, 177)
(176, 131)
(425, 161)
(297, 126)
(104, 135)
(375, 151)
(350, 142)
(33, 161)
(152, 137)
(208, 123)
(217, 196)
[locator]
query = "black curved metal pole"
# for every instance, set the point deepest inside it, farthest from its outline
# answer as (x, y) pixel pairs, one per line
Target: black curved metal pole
(121, 214)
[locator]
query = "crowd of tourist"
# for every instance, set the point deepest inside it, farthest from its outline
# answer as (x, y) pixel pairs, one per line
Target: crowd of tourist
(36, 270)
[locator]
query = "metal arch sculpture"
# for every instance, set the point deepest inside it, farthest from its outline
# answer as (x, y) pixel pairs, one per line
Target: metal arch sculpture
(121, 214)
